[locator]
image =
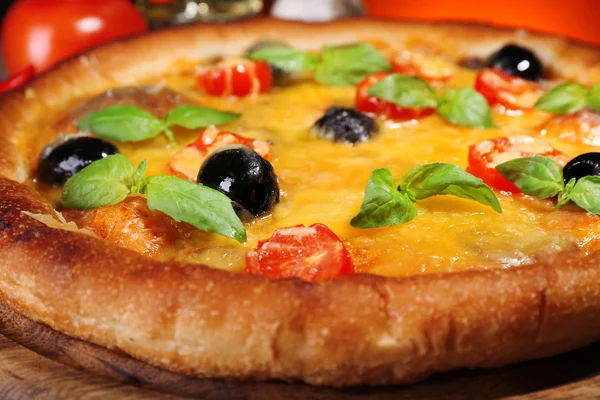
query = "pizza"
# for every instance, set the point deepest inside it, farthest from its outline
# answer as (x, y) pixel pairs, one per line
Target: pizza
(348, 203)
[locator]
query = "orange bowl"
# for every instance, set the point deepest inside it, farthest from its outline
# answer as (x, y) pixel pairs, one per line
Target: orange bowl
(576, 19)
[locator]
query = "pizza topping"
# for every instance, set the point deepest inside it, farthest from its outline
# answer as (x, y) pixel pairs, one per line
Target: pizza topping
(517, 61)
(405, 97)
(244, 176)
(486, 155)
(236, 77)
(68, 155)
(566, 98)
(512, 92)
(543, 177)
(186, 163)
(311, 253)
(158, 100)
(388, 204)
(285, 61)
(465, 107)
(111, 180)
(569, 98)
(342, 124)
(580, 127)
(416, 97)
(129, 224)
(432, 68)
(587, 164)
(132, 124)
(349, 64)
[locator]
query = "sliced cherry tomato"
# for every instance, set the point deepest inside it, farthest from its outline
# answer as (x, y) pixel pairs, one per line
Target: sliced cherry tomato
(44, 32)
(431, 68)
(512, 92)
(236, 77)
(580, 127)
(486, 155)
(374, 105)
(186, 163)
(17, 80)
(310, 253)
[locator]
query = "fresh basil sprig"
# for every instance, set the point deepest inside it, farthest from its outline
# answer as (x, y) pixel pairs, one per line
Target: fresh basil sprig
(127, 123)
(465, 107)
(405, 91)
(110, 180)
(387, 204)
(349, 64)
(594, 98)
(568, 98)
(542, 177)
(565, 98)
(285, 58)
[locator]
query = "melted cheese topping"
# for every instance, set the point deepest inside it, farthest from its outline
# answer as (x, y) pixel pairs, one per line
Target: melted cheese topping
(324, 182)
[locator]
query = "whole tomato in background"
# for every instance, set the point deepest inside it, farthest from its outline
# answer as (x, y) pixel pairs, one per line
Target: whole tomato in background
(44, 32)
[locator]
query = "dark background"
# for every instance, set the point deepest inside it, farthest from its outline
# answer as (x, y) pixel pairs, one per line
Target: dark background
(4, 6)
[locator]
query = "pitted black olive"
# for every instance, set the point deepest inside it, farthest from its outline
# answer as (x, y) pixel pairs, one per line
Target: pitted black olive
(242, 175)
(65, 157)
(587, 164)
(342, 124)
(517, 61)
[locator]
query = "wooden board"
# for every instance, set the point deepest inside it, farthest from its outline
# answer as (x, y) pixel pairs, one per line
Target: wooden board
(25, 374)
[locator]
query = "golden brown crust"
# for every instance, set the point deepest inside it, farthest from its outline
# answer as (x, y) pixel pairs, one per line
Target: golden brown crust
(360, 329)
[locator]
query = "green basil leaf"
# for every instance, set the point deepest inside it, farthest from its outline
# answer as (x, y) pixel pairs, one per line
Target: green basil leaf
(102, 183)
(138, 181)
(285, 58)
(536, 176)
(192, 117)
(594, 98)
(405, 91)
(348, 65)
(205, 208)
(586, 194)
(428, 180)
(122, 123)
(565, 98)
(465, 107)
(383, 205)
(565, 196)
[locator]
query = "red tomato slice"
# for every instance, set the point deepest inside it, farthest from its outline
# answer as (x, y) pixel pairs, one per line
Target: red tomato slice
(236, 77)
(311, 253)
(428, 67)
(512, 92)
(186, 163)
(486, 155)
(374, 105)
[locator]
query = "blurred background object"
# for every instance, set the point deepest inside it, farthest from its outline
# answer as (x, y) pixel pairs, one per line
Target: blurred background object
(162, 13)
(317, 10)
(576, 19)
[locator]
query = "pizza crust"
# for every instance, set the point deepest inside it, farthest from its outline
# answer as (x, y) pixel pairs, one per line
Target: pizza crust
(359, 329)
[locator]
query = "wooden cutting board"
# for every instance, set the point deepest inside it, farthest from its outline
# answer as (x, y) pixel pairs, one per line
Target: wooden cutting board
(97, 373)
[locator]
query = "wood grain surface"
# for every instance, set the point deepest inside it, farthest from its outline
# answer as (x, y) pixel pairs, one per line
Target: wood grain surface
(97, 373)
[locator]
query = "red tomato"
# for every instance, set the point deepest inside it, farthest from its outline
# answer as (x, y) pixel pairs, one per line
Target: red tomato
(17, 80)
(512, 92)
(186, 163)
(43, 32)
(431, 68)
(371, 104)
(237, 78)
(310, 253)
(486, 155)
